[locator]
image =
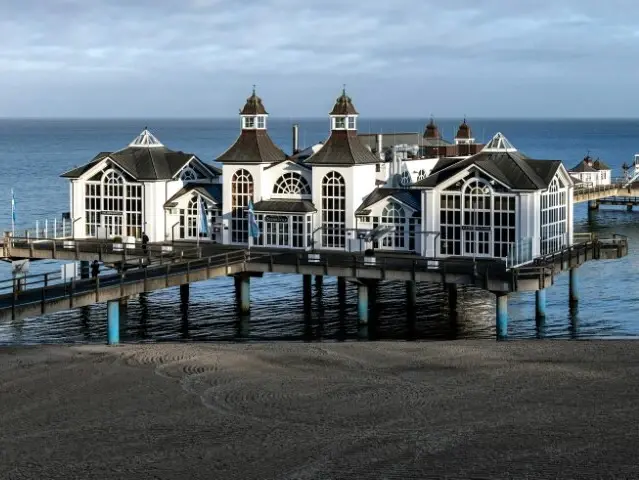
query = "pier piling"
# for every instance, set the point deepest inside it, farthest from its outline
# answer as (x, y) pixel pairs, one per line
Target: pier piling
(451, 289)
(319, 281)
(184, 293)
(307, 293)
(341, 290)
(501, 314)
(362, 303)
(573, 289)
(411, 297)
(113, 322)
(243, 293)
(540, 304)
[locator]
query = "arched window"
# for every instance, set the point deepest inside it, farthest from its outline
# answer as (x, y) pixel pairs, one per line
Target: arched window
(188, 174)
(113, 191)
(333, 211)
(405, 179)
(291, 183)
(241, 193)
(393, 215)
(191, 217)
(553, 218)
(421, 175)
(477, 210)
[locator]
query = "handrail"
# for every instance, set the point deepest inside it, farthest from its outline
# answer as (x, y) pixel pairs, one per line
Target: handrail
(55, 278)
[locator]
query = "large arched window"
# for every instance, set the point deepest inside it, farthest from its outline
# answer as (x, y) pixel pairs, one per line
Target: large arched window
(477, 221)
(191, 217)
(241, 193)
(113, 191)
(291, 183)
(393, 215)
(333, 211)
(553, 218)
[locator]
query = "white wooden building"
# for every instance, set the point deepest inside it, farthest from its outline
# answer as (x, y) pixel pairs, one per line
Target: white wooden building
(124, 193)
(592, 172)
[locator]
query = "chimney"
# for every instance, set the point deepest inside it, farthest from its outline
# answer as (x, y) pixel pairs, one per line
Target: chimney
(380, 149)
(296, 138)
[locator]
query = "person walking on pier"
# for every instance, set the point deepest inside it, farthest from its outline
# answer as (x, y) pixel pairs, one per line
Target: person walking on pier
(145, 242)
(95, 269)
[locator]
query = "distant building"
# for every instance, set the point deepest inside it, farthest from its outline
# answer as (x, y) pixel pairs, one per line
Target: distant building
(592, 172)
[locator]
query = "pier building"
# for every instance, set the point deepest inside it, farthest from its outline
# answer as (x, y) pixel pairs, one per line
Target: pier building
(591, 172)
(144, 187)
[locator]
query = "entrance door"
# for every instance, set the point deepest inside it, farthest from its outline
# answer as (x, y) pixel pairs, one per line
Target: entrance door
(277, 234)
(113, 225)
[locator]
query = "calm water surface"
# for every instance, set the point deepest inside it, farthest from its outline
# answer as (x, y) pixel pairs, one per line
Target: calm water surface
(35, 152)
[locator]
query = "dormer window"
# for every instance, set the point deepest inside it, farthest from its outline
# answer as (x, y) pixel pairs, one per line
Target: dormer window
(351, 123)
(344, 123)
(248, 122)
(339, 123)
(261, 122)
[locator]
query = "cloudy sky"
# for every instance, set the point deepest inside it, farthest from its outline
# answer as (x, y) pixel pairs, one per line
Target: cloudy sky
(399, 58)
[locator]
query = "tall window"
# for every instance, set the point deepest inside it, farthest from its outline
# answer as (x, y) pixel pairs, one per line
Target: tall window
(553, 218)
(477, 209)
(504, 216)
(114, 203)
(450, 223)
(92, 207)
(404, 179)
(113, 192)
(291, 184)
(191, 217)
(333, 211)
(241, 193)
(393, 216)
(421, 175)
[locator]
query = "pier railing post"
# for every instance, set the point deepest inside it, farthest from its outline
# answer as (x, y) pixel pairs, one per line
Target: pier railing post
(501, 315)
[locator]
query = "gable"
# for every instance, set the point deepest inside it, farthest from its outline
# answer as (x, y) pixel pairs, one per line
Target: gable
(455, 182)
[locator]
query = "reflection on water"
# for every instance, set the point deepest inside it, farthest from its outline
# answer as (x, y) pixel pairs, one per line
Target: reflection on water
(609, 299)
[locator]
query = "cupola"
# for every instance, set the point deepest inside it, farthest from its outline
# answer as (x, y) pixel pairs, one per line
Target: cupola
(343, 116)
(253, 115)
(464, 134)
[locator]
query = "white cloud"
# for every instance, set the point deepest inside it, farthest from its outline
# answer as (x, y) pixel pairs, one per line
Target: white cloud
(217, 48)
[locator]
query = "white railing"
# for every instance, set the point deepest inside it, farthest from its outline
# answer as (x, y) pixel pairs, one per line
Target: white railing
(520, 252)
(50, 229)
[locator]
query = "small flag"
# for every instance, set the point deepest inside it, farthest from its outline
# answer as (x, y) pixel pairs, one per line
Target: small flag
(254, 228)
(204, 223)
(13, 207)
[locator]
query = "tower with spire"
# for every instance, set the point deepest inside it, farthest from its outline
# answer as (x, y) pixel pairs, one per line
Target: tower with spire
(344, 172)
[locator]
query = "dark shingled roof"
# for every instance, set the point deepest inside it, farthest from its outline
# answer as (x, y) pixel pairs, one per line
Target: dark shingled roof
(285, 206)
(343, 105)
(464, 131)
(253, 146)
(155, 163)
(211, 191)
(510, 168)
(343, 147)
(253, 106)
(600, 165)
(432, 131)
(409, 197)
(583, 167)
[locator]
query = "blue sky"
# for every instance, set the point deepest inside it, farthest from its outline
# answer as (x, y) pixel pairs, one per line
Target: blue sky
(399, 58)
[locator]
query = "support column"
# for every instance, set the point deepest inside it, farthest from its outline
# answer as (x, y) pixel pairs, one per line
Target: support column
(84, 269)
(124, 309)
(319, 281)
(593, 205)
(362, 303)
(451, 288)
(540, 304)
(411, 297)
(184, 293)
(573, 287)
(341, 290)
(243, 293)
(113, 322)
(629, 207)
(307, 293)
(501, 324)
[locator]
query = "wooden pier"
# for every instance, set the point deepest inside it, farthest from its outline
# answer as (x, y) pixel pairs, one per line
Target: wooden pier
(47, 293)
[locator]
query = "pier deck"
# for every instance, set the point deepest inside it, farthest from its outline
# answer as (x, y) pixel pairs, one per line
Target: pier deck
(42, 294)
(601, 192)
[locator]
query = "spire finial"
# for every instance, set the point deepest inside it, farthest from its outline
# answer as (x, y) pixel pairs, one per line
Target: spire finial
(253, 89)
(464, 119)
(344, 89)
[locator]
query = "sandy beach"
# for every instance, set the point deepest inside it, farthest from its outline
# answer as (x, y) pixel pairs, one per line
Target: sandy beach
(457, 410)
